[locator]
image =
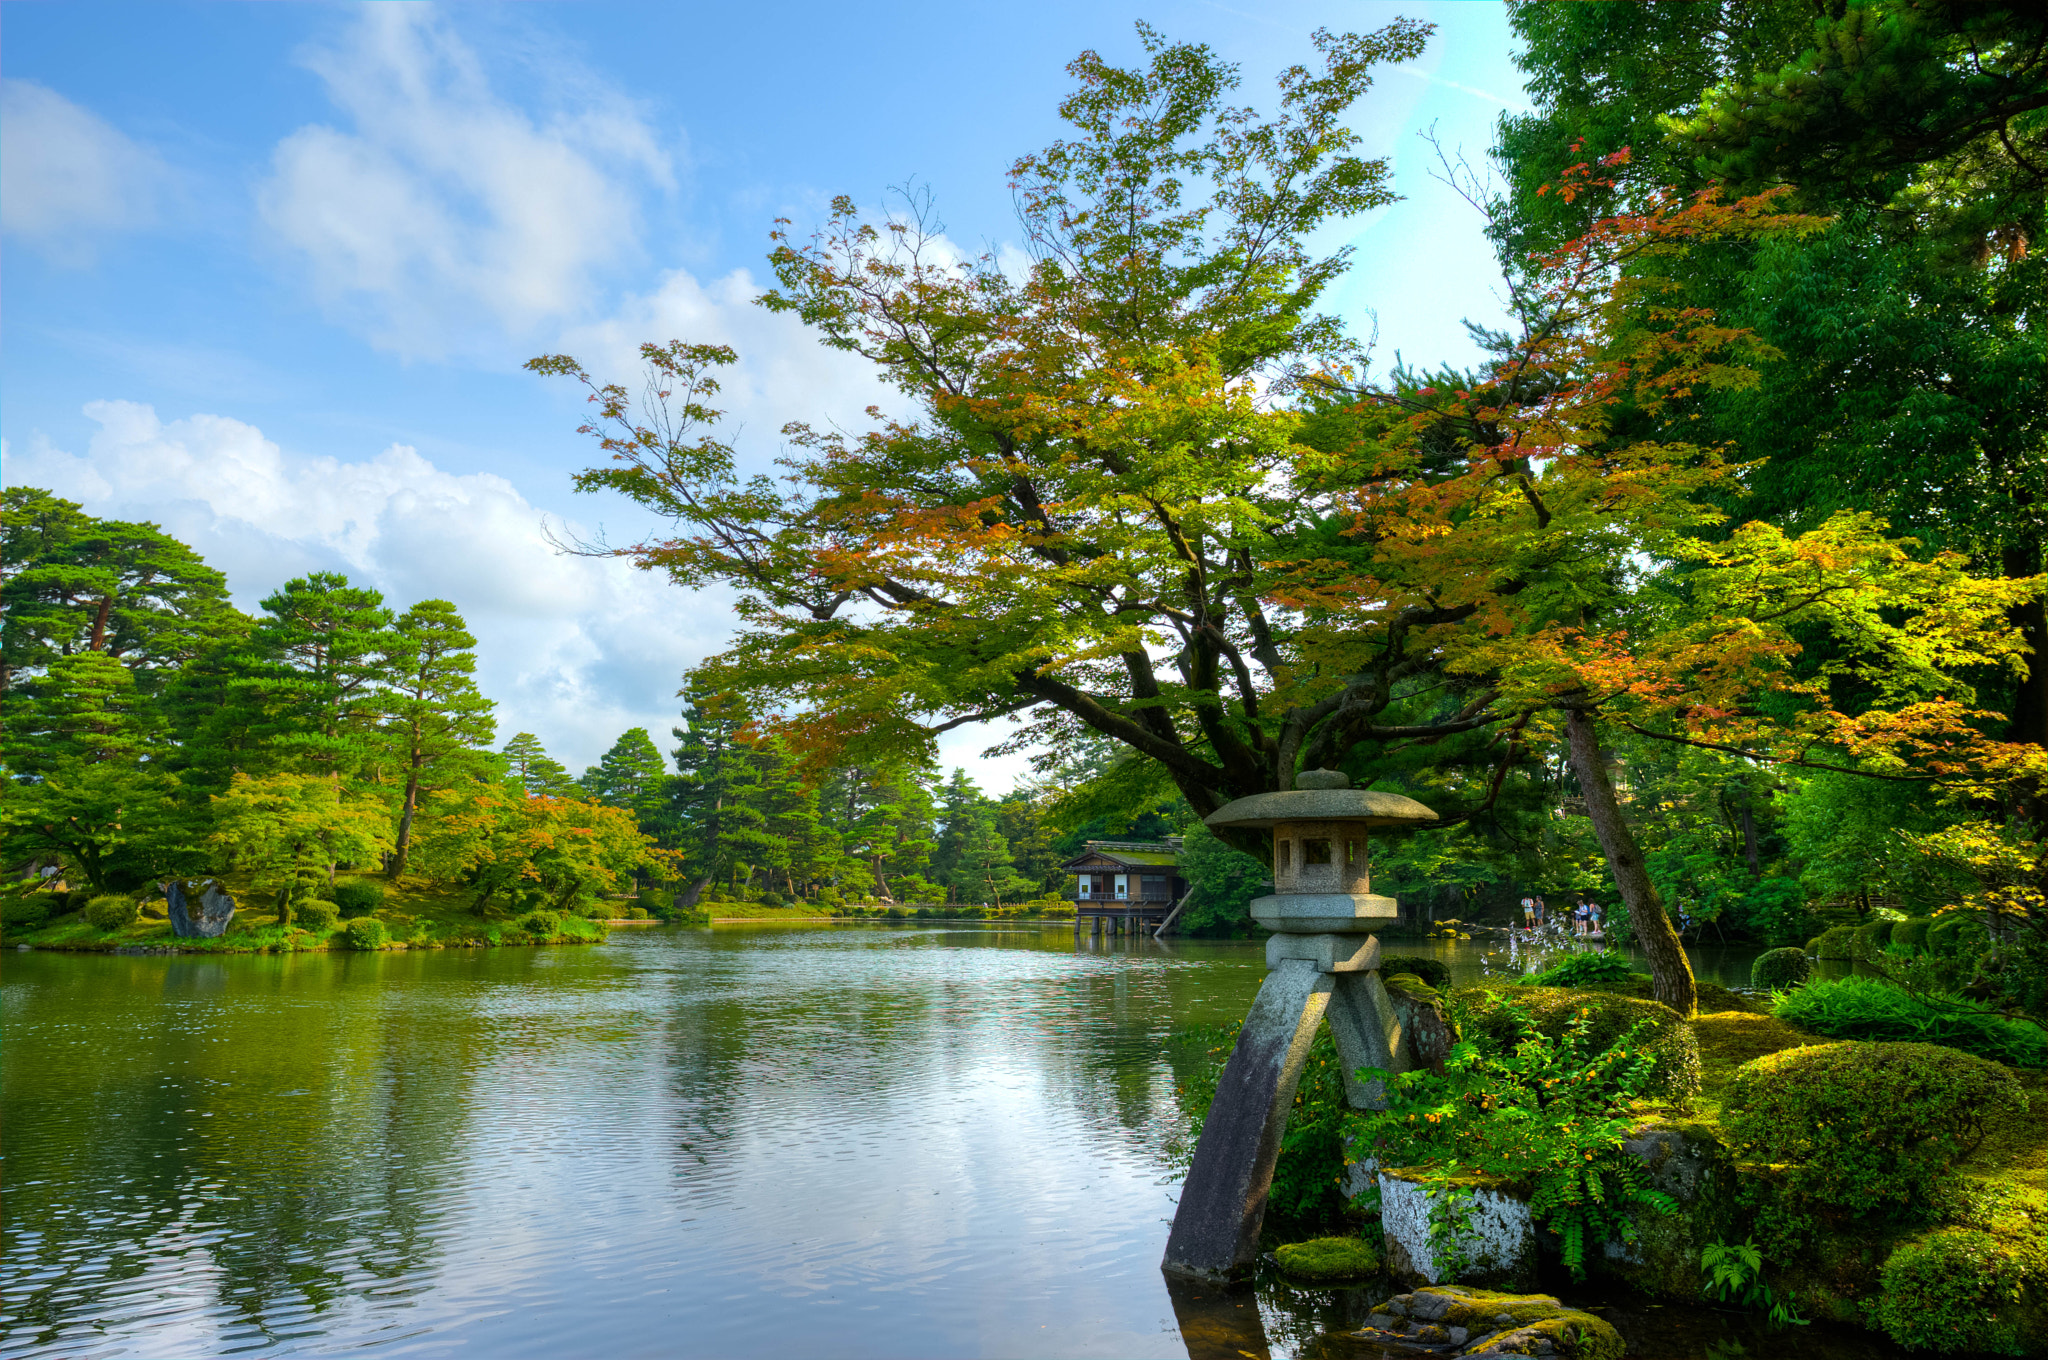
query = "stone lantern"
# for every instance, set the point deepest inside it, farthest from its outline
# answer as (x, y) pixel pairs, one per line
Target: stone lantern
(1322, 963)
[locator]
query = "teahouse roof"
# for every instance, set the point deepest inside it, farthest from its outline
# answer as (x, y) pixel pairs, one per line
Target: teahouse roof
(1127, 854)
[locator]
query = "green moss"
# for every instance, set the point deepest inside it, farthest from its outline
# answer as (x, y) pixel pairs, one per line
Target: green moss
(1956, 934)
(1540, 1324)
(1962, 1289)
(1326, 1259)
(1869, 938)
(1865, 1127)
(1728, 1039)
(1910, 936)
(1833, 944)
(1435, 972)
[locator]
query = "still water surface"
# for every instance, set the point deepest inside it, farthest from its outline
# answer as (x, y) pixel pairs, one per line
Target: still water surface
(842, 1141)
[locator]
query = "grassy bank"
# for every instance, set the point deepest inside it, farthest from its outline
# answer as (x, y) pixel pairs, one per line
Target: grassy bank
(415, 914)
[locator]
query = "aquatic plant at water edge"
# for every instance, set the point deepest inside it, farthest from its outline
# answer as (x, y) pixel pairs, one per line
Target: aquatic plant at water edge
(1583, 970)
(1548, 1114)
(1735, 1274)
(1869, 1008)
(1865, 1128)
(1777, 969)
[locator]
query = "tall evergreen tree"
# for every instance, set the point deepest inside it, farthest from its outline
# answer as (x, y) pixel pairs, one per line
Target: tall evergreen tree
(307, 692)
(534, 771)
(82, 710)
(630, 775)
(433, 713)
(716, 794)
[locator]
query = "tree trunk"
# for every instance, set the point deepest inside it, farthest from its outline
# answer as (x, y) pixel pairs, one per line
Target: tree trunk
(1749, 852)
(404, 847)
(99, 623)
(690, 898)
(2030, 705)
(1670, 970)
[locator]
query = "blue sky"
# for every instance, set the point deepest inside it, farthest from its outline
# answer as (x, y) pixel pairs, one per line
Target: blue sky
(272, 269)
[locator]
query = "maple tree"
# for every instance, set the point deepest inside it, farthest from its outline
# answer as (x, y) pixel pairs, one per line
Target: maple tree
(291, 830)
(505, 843)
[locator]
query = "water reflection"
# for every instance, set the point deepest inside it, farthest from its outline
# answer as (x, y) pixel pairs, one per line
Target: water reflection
(857, 1141)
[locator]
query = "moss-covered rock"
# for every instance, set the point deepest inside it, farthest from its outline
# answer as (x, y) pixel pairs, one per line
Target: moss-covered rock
(1467, 1321)
(1833, 944)
(1688, 1161)
(1326, 1260)
(1777, 969)
(1435, 972)
(1551, 1009)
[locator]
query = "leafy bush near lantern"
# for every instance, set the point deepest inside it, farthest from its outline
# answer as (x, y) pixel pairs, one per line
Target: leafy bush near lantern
(111, 912)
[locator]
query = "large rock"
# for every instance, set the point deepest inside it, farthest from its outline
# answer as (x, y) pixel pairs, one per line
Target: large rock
(1456, 1320)
(1687, 1162)
(200, 908)
(1497, 1240)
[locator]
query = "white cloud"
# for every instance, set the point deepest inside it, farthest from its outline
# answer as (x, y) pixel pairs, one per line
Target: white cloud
(444, 208)
(573, 649)
(66, 174)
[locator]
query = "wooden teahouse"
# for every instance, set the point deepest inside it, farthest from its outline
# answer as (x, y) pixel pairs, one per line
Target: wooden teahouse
(1126, 885)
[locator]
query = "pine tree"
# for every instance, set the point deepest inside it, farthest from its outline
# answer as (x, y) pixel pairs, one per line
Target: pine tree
(307, 691)
(630, 776)
(535, 772)
(715, 797)
(82, 710)
(433, 712)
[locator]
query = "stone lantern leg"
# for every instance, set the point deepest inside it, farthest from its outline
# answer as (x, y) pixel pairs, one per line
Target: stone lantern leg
(1322, 963)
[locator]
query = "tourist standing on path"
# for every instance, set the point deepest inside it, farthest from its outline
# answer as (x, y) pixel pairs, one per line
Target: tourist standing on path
(1529, 915)
(1580, 915)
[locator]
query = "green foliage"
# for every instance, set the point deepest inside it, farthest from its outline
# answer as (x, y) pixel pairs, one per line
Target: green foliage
(1550, 1114)
(315, 915)
(1866, 1128)
(541, 924)
(1957, 935)
(1593, 969)
(1222, 883)
(1496, 1020)
(1324, 1260)
(26, 913)
(1910, 936)
(1960, 1289)
(1776, 970)
(1869, 1008)
(1435, 972)
(534, 771)
(1833, 944)
(357, 897)
(1870, 937)
(366, 933)
(1735, 1274)
(112, 912)
(434, 719)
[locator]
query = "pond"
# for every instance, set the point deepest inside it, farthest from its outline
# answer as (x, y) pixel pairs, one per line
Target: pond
(770, 1140)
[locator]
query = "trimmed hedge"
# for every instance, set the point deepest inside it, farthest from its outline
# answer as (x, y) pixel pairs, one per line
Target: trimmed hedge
(366, 933)
(1832, 944)
(1779, 969)
(26, 913)
(1910, 936)
(112, 912)
(358, 898)
(1435, 972)
(1862, 1126)
(1671, 1042)
(544, 924)
(1870, 937)
(1960, 1289)
(315, 915)
(1957, 934)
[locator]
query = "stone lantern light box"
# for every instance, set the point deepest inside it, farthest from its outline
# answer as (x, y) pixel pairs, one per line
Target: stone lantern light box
(1322, 964)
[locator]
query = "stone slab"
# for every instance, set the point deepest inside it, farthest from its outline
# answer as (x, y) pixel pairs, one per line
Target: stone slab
(1329, 953)
(1319, 913)
(1223, 1201)
(1499, 1237)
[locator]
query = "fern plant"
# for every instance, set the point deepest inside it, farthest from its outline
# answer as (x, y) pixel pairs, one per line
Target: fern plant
(1548, 1116)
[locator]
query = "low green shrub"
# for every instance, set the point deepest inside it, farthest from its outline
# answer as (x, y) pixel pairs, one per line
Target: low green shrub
(112, 912)
(1870, 1008)
(78, 899)
(1870, 937)
(357, 898)
(1865, 1127)
(1910, 935)
(1593, 969)
(1327, 1259)
(1494, 1021)
(1959, 1289)
(1435, 972)
(1777, 970)
(366, 932)
(27, 913)
(316, 916)
(1957, 934)
(541, 924)
(639, 914)
(1832, 944)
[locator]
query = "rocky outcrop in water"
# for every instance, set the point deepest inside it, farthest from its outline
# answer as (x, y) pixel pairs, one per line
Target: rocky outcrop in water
(200, 908)
(1453, 1320)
